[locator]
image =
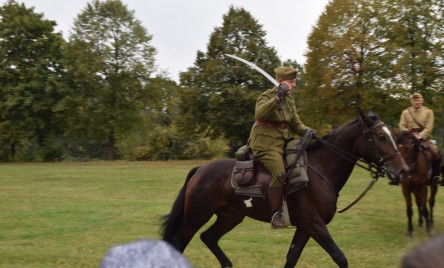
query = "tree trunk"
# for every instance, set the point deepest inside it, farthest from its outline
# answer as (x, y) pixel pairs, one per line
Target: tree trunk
(111, 146)
(12, 151)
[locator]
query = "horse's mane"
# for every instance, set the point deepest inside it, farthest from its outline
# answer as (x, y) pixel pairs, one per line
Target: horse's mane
(335, 132)
(401, 138)
(404, 137)
(332, 134)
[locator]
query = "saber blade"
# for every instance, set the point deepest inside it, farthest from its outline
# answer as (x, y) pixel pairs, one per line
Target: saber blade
(269, 77)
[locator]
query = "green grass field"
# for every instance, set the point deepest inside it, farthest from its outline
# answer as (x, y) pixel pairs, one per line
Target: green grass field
(70, 214)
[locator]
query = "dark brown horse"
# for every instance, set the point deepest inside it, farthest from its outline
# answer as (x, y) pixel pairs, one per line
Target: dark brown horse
(208, 191)
(417, 181)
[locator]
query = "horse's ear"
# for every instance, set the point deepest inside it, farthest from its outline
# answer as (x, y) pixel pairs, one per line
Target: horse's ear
(368, 116)
(395, 131)
(362, 114)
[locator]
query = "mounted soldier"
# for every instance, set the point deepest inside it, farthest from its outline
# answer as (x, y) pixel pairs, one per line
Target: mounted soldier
(276, 122)
(209, 189)
(420, 119)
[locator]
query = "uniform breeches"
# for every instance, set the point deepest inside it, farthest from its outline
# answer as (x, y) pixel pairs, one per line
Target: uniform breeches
(434, 151)
(272, 161)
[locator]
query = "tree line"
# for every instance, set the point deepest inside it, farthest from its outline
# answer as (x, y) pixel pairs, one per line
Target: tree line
(97, 95)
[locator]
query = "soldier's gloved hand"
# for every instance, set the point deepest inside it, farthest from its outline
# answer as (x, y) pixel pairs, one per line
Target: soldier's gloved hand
(310, 131)
(418, 137)
(282, 91)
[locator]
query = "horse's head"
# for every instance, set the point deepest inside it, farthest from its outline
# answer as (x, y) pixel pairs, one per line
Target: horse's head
(408, 145)
(379, 146)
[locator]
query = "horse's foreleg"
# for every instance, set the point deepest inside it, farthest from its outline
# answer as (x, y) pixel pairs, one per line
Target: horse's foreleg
(223, 224)
(320, 233)
(409, 210)
(297, 246)
(409, 220)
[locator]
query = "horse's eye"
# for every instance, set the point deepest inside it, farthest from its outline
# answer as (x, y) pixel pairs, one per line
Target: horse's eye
(382, 137)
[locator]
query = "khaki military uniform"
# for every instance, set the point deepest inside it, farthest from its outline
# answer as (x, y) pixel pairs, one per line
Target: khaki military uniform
(273, 127)
(423, 116)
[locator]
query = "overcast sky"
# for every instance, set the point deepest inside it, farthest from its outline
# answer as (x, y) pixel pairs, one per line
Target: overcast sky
(182, 27)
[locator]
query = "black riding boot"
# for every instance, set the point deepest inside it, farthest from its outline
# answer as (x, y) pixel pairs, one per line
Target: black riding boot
(435, 171)
(275, 196)
(394, 182)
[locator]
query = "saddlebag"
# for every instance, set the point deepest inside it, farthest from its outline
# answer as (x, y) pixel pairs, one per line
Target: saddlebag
(243, 172)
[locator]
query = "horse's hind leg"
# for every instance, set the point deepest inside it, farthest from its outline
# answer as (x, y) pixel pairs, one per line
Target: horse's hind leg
(409, 210)
(421, 202)
(425, 214)
(188, 229)
(195, 217)
(420, 216)
(224, 223)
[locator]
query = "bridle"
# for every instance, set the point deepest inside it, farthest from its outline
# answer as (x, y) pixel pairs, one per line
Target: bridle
(382, 161)
(378, 169)
(410, 155)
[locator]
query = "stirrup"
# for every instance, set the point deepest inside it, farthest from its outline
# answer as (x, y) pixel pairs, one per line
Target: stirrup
(277, 221)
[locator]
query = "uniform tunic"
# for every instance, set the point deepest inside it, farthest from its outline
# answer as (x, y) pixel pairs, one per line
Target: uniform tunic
(267, 142)
(422, 115)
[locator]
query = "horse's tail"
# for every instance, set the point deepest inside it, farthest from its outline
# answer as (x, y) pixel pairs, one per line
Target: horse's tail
(172, 222)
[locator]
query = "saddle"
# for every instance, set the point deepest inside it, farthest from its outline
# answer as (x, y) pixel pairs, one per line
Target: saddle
(251, 178)
(430, 146)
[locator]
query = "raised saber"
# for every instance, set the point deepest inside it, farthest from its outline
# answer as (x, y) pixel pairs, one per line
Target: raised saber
(252, 65)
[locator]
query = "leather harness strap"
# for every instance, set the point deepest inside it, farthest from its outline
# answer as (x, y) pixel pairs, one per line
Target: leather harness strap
(270, 124)
(421, 127)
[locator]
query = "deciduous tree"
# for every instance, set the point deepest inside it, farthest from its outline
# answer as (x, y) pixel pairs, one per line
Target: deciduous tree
(30, 79)
(368, 54)
(219, 93)
(110, 61)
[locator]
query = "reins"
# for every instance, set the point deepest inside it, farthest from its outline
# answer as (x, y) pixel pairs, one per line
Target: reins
(415, 149)
(376, 171)
(370, 185)
(300, 148)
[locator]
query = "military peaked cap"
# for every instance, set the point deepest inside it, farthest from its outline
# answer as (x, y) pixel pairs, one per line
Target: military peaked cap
(285, 72)
(416, 96)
